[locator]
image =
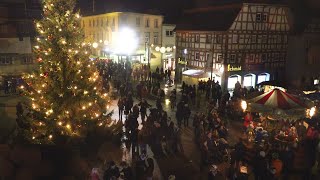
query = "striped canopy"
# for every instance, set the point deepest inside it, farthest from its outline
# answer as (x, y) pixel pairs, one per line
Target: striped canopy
(277, 99)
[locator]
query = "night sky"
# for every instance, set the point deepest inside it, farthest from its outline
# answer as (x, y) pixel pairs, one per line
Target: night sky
(172, 9)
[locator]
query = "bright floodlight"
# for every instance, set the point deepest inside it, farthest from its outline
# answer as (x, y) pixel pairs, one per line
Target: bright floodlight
(126, 41)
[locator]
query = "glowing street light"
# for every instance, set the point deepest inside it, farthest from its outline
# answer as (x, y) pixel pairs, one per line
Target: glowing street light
(95, 45)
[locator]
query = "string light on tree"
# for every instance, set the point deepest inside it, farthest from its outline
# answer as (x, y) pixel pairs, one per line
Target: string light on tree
(58, 84)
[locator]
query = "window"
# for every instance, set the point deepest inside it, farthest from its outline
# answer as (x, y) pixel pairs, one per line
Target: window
(113, 21)
(147, 37)
(265, 17)
(220, 58)
(264, 39)
(208, 57)
(232, 58)
(101, 22)
(264, 58)
(197, 56)
(276, 57)
(235, 38)
(156, 25)
(147, 23)
(197, 38)
(155, 38)
(258, 17)
(138, 21)
(254, 39)
(219, 38)
(169, 33)
(27, 60)
(5, 60)
(89, 23)
(208, 38)
(93, 23)
(83, 24)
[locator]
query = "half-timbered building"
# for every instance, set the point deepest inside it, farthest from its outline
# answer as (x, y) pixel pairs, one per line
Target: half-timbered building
(245, 42)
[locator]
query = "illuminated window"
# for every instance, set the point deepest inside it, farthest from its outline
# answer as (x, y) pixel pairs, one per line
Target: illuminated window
(249, 80)
(232, 80)
(263, 77)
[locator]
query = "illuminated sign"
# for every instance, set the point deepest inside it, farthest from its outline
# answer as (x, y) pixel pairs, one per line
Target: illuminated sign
(234, 68)
(182, 61)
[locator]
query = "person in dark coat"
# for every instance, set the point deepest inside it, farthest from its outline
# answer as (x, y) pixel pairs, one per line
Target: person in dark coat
(112, 171)
(149, 169)
(19, 109)
(126, 171)
(121, 107)
(260, 165)
(179, 113)
(143, 109)
(186, 115)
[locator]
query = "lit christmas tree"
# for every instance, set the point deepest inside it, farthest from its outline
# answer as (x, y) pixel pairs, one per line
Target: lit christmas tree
(66, 96)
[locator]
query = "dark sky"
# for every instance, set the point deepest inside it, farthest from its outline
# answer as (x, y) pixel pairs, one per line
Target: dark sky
(172, 9)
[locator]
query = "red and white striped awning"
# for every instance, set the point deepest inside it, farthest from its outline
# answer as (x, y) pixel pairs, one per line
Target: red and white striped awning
(277, 99)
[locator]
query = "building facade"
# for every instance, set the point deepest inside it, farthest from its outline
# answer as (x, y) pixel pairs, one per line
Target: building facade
(245, 42)
(303, 70)
(16, 36)
(169, 42)
(106, 30)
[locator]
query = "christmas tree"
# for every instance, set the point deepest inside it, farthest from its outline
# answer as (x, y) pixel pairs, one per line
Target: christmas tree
(65, 93)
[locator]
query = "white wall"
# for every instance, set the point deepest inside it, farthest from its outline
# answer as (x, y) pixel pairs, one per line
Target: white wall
(14, 45)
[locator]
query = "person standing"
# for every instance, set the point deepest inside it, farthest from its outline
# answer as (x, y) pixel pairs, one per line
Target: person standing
(143, 109)
(186, 115)
(121, 108)
(19, 109)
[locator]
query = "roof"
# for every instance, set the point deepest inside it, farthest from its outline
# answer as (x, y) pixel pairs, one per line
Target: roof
(214, 18)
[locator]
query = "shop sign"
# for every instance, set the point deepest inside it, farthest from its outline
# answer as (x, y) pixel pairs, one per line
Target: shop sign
(234, 68)
(182, 61)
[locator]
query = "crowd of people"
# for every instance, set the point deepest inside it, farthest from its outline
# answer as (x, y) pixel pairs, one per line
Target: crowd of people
(257, 152)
